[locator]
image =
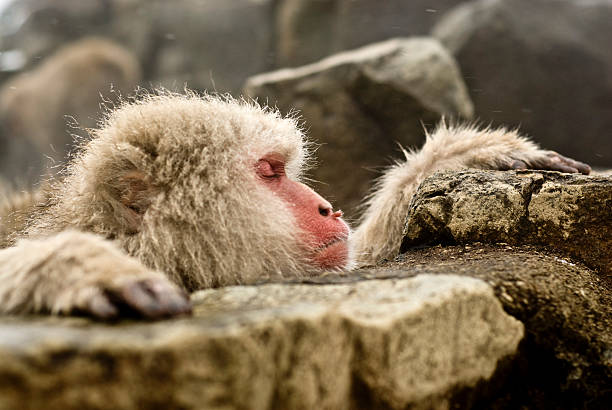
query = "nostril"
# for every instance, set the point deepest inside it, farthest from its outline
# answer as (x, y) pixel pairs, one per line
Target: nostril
(324, 211)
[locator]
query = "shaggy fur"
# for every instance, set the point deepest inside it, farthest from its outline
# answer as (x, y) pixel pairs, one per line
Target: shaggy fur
(189, 161)
(447, 148)
(64, 273)
(167, 184)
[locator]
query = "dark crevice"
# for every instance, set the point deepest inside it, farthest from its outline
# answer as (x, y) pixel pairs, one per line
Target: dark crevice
(534, 187)
(363, 398)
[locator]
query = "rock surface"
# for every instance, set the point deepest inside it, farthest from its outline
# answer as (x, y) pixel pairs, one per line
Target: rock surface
(360, 104)
(543, 65)
(403, 334)
(421, 342)
(569, 212)
(566, 357)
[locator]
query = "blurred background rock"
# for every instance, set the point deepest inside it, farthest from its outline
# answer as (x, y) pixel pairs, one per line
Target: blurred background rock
(543, 65)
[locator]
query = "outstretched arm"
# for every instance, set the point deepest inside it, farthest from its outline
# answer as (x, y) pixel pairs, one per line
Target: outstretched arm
(80, 272)
(448, 148)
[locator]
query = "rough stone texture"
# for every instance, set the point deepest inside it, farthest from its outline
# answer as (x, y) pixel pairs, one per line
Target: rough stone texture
(569, 212)
(543, 65)
(566, 357)
(309, 30)
(421, 342)
(360, 104)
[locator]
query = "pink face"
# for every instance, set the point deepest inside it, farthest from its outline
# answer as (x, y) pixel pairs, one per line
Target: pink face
(326, 233)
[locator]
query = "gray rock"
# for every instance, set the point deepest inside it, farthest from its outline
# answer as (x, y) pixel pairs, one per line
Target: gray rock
(310, 30)
(569, 212)
(393, 343)
(543, 65)
(565, 360)
(360, 104)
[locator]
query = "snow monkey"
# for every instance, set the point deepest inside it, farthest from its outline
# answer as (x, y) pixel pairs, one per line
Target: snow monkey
(181, 192)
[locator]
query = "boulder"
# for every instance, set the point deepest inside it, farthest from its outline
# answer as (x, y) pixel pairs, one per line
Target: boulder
(310, 30)
(423, 342)
(359, 105)
(568, 212)
(543, 65)
(565, 359)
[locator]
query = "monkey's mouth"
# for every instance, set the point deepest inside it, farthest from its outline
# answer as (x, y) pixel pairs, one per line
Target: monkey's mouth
(332, 242)
(333, 254)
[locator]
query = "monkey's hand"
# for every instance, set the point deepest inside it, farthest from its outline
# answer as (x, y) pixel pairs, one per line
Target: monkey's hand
(552, 161)
(502, 149)
(148, 295)
(447, 148)
(78, 273)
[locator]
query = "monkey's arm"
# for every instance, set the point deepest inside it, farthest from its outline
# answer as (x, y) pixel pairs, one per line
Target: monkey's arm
(448, 148)
(80, 272)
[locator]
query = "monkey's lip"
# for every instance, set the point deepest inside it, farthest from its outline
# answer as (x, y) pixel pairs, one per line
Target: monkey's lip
(332, 242)
(333, 254)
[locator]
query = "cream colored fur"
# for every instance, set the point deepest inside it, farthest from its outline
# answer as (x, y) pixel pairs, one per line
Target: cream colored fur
(447, 148)
(187, 161)
(63, 273)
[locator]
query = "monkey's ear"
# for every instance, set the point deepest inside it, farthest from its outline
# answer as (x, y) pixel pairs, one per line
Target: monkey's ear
(135, 193)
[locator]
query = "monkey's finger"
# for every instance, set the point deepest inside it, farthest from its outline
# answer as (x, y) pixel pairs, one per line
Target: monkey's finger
(172, 300)
(579, 166)
(136, 297)
(100, 307)
(584, 168)
(518, 164)
(553, 162)
(563, 168)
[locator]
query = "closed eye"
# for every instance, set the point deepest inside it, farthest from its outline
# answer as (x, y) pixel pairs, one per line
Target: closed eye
(270, 169)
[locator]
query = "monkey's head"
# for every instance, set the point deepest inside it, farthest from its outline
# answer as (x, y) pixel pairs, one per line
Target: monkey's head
(206, 189)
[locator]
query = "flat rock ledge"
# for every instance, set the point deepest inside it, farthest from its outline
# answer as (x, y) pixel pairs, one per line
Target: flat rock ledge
(417, 342)
(568, 212)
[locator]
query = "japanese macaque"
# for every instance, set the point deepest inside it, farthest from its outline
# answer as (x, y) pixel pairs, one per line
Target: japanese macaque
(181, 192)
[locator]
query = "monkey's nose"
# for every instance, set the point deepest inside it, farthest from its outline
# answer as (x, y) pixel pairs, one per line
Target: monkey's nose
(325, 210)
